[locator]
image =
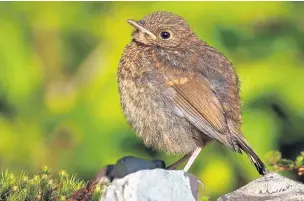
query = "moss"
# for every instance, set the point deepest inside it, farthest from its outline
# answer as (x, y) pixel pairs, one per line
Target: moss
(44, 186)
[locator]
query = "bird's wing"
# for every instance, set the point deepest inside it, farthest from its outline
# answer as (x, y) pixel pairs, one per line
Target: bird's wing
(194, 97)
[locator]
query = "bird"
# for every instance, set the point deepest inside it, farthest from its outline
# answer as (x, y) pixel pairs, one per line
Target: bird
(178, 93)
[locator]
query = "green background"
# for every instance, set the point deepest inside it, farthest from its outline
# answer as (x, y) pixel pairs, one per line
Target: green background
(59, 102)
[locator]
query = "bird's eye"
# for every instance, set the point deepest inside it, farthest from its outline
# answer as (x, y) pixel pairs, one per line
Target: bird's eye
(165, 35)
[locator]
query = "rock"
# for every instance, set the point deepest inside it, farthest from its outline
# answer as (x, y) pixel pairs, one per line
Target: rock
(128, 165)
(136, 179)
(271, 187)
(131, 164)
(156, 185)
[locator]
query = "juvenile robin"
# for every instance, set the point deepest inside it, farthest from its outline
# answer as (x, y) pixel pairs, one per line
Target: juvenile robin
(178, 93)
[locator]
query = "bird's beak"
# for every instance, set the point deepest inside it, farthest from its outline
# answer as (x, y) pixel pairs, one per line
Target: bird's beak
(141, 29)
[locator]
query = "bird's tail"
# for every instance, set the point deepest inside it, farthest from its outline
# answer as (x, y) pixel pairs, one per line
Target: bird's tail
(254, 158)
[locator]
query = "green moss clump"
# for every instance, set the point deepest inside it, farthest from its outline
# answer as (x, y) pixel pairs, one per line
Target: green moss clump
(43, 186)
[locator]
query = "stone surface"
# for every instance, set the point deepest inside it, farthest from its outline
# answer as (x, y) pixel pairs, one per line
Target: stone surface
(128, 165)
(131, 164)
(137, 179)
(272, 187)
(156, 185)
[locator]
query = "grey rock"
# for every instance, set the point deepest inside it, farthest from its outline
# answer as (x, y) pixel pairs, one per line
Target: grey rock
(128, 165)
(153, 185)
(131, 164)
(271, 187)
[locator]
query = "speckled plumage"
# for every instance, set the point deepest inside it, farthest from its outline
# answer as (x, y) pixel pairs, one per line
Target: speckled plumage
(179, 94)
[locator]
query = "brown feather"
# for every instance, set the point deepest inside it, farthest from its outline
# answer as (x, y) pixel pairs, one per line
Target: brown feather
(198, 102)
(197, 92)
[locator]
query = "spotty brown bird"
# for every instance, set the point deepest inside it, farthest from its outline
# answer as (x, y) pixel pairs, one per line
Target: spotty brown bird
(178, 93)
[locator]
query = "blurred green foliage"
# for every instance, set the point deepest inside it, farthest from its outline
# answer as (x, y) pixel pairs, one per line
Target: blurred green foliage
(59, 103)
(277, 163)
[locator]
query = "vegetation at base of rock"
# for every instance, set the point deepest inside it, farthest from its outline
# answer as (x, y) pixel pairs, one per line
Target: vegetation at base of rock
(277, 163)
(43, 186)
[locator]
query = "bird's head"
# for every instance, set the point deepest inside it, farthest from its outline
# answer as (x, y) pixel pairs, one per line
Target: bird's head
(162, 29)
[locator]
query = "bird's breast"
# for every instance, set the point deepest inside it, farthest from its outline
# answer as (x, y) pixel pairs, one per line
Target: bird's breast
(148, 111)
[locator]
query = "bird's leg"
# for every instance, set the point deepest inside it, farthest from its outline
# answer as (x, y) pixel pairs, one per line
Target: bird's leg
(180, 161)
(192, 158)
